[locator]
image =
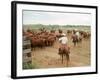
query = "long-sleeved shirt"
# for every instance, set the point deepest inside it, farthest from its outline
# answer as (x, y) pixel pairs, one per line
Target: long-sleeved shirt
(63, 40)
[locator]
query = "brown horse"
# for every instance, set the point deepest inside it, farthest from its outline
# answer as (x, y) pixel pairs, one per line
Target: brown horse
(64, 52)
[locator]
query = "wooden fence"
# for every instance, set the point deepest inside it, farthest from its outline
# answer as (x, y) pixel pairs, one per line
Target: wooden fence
(27, 56)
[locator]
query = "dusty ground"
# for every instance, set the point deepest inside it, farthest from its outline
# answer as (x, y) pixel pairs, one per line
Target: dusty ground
(48, 57)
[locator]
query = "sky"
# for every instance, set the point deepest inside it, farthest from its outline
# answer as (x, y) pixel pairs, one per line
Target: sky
(56, 18)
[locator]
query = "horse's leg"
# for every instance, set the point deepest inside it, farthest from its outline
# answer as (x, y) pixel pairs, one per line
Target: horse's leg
(80, 40)
(74, 43)
(62, 58)
(77, 42)
(67, 58)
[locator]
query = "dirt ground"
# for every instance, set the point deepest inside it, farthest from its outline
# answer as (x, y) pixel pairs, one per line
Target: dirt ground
(48, 57)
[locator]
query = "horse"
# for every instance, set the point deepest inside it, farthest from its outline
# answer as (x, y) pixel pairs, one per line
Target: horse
(64, 51)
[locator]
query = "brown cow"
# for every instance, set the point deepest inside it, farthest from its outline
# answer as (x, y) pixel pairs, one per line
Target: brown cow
(40, 39)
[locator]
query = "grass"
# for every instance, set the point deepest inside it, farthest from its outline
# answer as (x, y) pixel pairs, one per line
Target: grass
(30, 65)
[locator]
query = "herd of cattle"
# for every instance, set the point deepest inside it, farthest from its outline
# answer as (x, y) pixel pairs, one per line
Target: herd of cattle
(43, 38)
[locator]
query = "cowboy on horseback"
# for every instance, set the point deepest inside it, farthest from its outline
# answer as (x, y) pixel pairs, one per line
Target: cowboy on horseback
(63, 41)
(77, 34)
(76, 37)
(64, 49)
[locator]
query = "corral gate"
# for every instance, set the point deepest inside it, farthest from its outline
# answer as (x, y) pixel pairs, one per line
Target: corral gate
(27, 56)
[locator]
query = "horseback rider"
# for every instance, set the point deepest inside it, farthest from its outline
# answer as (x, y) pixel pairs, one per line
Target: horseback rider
(64, 42)
(76, 37)
(77, 34)
(79, 37)
(64, 49)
